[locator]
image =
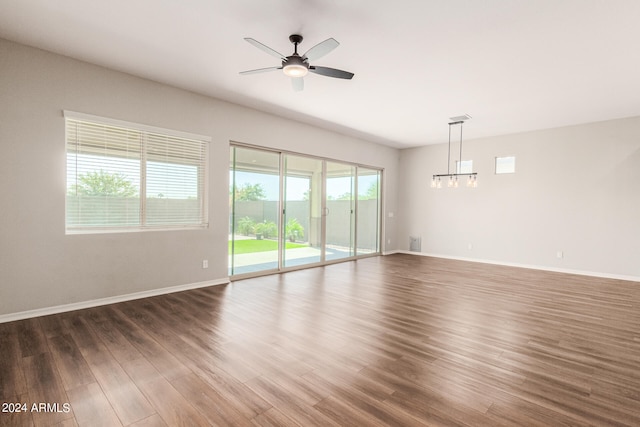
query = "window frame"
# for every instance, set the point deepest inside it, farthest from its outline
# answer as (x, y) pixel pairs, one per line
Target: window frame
(202, 176)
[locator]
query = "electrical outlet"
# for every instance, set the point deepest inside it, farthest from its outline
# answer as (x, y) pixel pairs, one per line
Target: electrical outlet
(205, 263)
(470, 246)
(560, 254)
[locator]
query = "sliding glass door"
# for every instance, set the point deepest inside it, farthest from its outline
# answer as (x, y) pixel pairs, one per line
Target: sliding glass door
(289, 210)
(254, 196)
(340, 211)
(368, 207)
(302, 210)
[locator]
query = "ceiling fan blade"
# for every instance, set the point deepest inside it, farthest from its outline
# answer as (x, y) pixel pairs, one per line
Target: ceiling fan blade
(297, 83)
(331, 72)
(265, 48)
(321, 49)
(260, 70)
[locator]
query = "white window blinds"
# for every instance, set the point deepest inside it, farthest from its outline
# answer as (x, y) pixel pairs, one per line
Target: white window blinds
(122, 176)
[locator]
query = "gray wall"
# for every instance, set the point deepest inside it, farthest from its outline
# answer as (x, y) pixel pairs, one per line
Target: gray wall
(576, 190)
(42, 267)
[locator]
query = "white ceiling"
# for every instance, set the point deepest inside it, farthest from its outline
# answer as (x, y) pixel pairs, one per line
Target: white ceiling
(513, 65)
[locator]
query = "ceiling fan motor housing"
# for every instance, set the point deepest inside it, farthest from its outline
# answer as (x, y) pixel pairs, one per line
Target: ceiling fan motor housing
(295, 38)
(295, 65)
(295, 60)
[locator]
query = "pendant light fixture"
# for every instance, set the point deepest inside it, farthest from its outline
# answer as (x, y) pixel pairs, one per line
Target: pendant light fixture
(452, 179)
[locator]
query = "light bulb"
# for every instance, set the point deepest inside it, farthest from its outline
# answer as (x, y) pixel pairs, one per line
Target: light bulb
(450, 182)
(295, 70)
(434, 183)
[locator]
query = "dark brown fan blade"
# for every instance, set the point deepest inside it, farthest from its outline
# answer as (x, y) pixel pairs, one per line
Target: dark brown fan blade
(260, 70)
(331, 72)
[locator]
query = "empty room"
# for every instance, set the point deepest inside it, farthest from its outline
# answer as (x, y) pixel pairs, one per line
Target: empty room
(319, 213)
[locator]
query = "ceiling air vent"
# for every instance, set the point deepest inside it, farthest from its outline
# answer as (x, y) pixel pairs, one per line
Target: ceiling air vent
(460, 118)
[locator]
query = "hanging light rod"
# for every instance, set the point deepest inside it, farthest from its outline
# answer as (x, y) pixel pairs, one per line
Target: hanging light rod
(453, 182)
(472, 177)
(455, 174)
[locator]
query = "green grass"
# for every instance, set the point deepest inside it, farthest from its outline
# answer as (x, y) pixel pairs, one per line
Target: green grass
(253, 245)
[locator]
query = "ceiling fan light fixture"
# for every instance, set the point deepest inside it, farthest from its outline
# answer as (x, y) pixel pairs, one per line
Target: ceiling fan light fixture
(295, 70)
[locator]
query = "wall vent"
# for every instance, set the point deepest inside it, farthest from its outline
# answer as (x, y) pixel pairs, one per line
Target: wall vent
(415, 244)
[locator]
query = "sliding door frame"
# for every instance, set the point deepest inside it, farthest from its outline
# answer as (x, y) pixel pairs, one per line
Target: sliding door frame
(281, 214)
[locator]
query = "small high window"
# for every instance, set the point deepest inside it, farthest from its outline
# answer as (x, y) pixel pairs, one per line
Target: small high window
(505, 164)
(464, 166)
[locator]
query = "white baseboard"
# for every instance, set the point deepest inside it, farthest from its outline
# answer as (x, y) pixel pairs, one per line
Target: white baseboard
(105, 301)
(395, 251)
(533, 267)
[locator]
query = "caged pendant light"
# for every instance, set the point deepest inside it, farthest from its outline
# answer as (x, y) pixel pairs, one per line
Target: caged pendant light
(453, 179)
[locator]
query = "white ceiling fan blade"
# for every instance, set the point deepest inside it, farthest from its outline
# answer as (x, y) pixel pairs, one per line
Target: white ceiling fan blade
(265, 48)
(321, 49)
(297, 83)
(260, 70)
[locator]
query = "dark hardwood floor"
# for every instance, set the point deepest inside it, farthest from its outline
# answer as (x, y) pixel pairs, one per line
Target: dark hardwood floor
(397, 340)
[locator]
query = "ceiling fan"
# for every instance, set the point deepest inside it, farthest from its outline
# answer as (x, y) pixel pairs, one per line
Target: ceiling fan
(296, 66)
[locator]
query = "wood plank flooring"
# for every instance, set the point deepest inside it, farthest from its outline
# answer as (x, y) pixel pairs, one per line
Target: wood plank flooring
(398, 340)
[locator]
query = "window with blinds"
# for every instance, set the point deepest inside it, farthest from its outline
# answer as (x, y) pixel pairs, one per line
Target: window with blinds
(127, 177)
